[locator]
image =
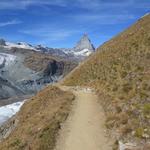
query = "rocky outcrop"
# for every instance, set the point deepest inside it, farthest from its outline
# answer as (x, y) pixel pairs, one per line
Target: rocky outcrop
(54, 68)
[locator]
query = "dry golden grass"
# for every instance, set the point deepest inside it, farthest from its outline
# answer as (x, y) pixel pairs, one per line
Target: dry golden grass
(39, 121)
(120, 73)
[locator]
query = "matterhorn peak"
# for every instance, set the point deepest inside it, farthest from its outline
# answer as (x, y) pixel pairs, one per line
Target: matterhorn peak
(84, 47)
(84, 43)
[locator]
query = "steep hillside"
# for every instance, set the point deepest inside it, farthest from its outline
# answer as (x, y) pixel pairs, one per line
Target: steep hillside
(120, 72)
(37, 124)
(54, 65)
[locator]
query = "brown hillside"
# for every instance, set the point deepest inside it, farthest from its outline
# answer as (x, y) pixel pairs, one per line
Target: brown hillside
(120, 72)
(41, 62)
(39, 121)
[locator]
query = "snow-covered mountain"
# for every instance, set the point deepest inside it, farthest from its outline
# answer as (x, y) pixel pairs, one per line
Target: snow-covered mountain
(22, 45)
(82, 49)
(52, 51)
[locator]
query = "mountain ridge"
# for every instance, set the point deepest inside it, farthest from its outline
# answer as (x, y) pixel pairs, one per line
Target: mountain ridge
(84, 43)
(78, 51)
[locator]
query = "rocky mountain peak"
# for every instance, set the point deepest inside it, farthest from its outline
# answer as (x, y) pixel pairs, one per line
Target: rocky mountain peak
(84, 43)
(24, 43)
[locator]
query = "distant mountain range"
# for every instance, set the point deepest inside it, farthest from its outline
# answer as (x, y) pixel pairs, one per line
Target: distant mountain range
(83, 48)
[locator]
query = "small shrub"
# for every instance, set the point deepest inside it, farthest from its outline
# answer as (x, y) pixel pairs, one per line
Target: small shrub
(145, 86)
(148, 56)
(123, 118)
(146, 109)
(126, 129)
(118, 109)
(127, 87)
(123, 74)
(139, 132)
(143, 95)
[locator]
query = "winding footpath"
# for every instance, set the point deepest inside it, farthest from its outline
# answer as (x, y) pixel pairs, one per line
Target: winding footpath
(84, 129)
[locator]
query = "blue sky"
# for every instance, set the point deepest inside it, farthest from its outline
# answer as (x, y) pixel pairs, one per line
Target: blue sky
(61, 23)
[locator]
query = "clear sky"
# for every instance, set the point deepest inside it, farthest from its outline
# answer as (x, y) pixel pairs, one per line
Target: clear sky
(61, 23)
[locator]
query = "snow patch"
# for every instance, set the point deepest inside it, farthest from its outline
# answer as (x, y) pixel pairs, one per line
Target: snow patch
(84, 52)
(8, 111)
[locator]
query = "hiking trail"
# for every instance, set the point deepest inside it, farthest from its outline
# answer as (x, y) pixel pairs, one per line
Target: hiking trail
(84, 128)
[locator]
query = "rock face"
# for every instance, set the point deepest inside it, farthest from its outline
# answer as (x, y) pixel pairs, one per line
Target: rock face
(83, 48)
(54, 68)
(84, 43)
(2, 42)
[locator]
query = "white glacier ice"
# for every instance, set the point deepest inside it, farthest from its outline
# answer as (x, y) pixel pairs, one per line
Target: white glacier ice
(8, 57)
(84, 52)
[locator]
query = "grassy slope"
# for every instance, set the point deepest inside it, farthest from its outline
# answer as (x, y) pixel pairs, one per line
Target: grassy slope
(120, 72)
(39, 121)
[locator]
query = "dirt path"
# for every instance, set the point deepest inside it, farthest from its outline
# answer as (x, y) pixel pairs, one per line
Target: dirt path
(84, 128)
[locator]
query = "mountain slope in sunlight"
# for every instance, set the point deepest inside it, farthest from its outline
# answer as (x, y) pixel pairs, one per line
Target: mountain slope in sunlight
(120, 72)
